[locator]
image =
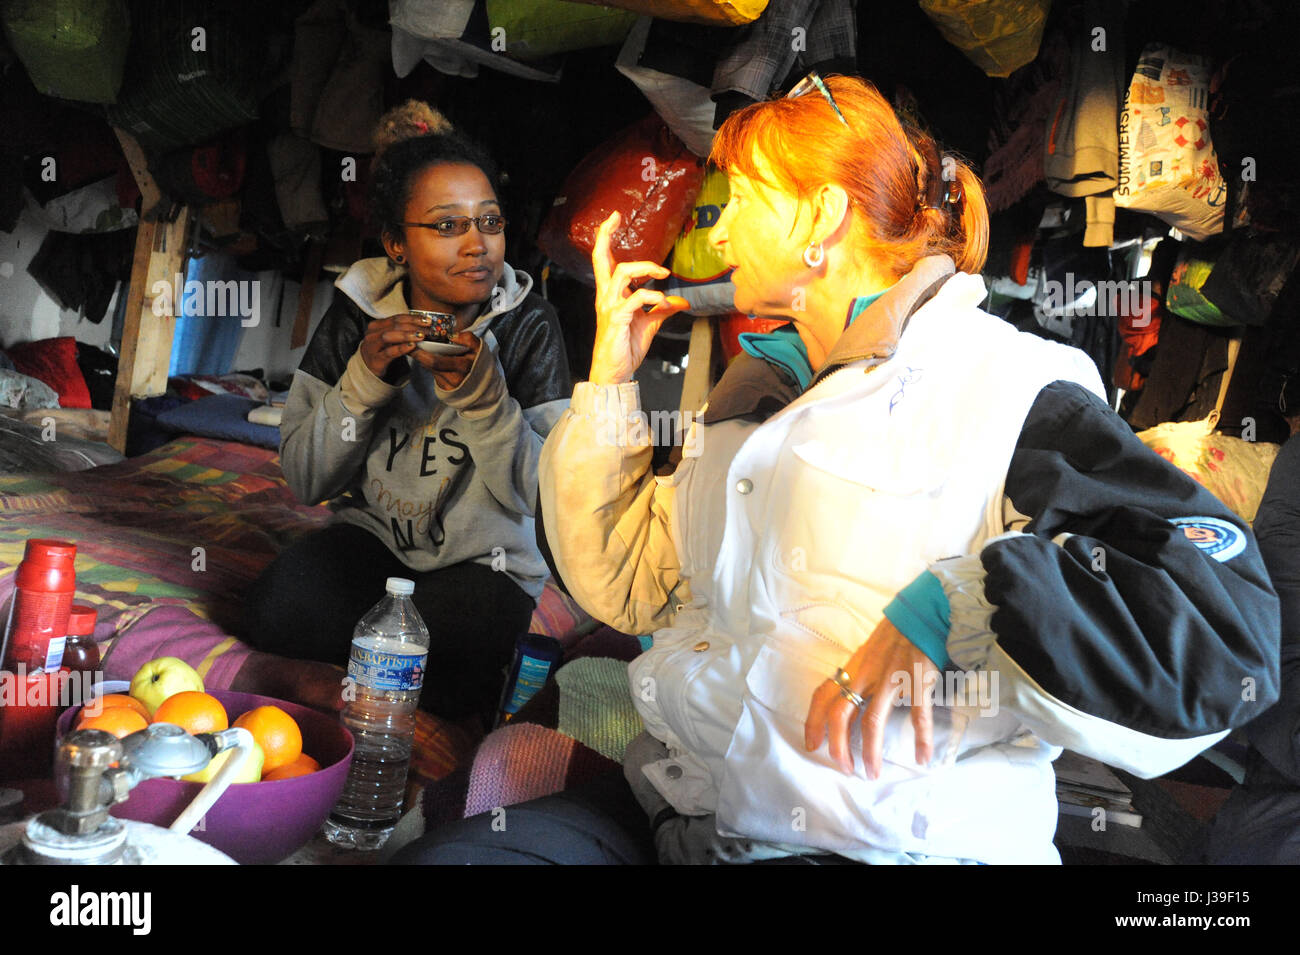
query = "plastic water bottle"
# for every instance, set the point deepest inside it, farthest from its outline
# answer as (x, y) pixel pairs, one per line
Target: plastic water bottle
(389, 648)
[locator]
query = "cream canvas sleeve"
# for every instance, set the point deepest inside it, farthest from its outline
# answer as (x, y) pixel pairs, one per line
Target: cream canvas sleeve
(608, 519)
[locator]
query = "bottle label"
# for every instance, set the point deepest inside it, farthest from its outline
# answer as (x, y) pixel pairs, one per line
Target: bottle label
(385, 670)
(531, 678)
(54, 654)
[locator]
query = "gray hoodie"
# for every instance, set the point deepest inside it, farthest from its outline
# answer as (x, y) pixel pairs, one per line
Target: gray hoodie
(441, 477)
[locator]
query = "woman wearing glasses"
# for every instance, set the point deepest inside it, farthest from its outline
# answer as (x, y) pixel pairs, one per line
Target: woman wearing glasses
(431, 454)
(895, 489)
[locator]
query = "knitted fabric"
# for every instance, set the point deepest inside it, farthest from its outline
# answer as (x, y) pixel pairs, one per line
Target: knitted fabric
(596, 707)
(525, 761)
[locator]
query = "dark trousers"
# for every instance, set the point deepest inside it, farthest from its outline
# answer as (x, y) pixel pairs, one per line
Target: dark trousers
(597, 823)
(307, 602)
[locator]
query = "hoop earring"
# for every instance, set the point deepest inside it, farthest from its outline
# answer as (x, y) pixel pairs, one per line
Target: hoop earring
(814, 259)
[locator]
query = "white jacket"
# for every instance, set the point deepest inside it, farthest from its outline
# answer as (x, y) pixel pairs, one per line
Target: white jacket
(787, 539)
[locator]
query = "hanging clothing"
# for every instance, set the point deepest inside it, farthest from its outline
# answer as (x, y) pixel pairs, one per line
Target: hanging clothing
(1082, 145)
(769, 48)
(81, 272)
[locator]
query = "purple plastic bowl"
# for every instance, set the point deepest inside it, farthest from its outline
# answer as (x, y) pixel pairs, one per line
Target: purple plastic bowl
(253, 823)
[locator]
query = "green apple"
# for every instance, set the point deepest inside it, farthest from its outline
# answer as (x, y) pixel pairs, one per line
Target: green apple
(160, 678)
(251, 773)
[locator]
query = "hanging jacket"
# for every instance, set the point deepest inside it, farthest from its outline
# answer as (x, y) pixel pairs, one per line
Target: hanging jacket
(1080, 611)
(440, 476)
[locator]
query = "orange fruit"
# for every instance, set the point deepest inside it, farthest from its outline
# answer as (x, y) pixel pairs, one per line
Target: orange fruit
(121, 699)
(121, 721)
(301, 766)
(193, 712)
(276, 732)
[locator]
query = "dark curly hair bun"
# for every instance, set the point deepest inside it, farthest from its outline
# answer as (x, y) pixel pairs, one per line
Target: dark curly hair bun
(409, 139)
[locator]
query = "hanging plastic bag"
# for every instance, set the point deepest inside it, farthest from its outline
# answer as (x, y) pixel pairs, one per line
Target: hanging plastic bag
(1250, 274)
(532, 29)
(699, 273)
(431, 19)
(686, 106)
(714, 13)
(1167, 163)
(73, 50)
(1184, 297)
(647, 175)
(998, 36)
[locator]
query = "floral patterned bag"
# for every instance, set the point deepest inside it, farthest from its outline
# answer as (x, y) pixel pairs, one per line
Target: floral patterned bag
(1233, 470)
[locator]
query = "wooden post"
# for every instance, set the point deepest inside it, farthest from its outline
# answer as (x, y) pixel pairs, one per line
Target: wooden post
(699, 369)
(152, 201)
(307, 292)
(150, 320)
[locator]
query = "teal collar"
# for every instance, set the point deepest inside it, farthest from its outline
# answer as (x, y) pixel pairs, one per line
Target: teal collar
(785, 349)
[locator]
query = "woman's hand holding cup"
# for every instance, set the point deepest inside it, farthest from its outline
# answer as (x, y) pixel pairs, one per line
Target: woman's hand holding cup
(627, 317)
(390, 338)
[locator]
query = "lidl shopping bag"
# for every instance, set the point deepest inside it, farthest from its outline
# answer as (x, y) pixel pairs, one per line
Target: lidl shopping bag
(1167, 163)
(699, 273)
(648, 176)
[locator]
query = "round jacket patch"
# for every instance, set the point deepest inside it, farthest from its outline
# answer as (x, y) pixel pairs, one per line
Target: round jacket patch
(1218, 538)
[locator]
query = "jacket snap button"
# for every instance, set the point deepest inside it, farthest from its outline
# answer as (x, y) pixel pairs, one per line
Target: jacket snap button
(673, 772)
(744, 485)
(701, 646)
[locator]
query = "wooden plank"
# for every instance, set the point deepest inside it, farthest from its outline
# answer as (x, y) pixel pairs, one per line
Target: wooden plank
(145, 357)
(1234, 349)
(144, 241)
(153, 203)
(698, 380)
(307, 293)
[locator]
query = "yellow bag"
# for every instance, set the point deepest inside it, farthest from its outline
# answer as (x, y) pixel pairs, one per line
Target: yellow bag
(998, 36)
(713, 13)
(699, 273)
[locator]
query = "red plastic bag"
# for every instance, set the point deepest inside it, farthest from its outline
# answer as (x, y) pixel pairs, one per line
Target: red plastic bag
(647, 175)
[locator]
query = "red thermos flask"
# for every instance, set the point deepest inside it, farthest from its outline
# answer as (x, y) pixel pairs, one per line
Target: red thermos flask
(38, 619)
(32, 650)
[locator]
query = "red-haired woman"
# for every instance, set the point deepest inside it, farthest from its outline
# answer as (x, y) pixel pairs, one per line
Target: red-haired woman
(897, 498)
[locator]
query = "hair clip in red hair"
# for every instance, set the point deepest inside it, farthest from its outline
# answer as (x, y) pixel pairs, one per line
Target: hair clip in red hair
(422, 126)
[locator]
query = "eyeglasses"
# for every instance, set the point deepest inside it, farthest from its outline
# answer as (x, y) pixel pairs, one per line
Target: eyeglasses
(814, 82)
(453, 226)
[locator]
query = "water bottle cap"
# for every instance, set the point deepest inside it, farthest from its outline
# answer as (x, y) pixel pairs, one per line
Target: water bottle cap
(400, 586)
